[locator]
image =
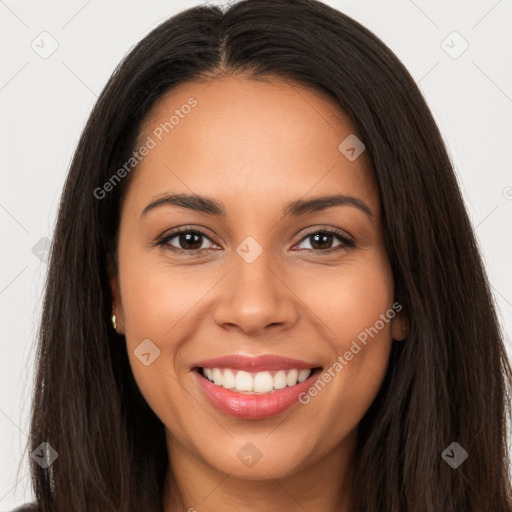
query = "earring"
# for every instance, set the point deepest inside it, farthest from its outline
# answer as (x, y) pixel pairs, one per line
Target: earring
(114, 322)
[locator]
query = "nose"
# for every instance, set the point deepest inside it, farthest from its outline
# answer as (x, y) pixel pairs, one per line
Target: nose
(254, 297)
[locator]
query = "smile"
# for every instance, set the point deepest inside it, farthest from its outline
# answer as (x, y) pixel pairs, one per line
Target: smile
(241, 381)
(254, 387)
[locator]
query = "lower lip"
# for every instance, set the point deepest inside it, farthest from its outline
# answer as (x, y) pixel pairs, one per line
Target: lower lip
(251, 406)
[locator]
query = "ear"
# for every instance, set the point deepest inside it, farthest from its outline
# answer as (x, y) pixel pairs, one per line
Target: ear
(117, 305)
(400, 326)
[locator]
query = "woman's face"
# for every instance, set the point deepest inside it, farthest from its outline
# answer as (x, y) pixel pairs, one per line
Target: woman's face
(254, 278)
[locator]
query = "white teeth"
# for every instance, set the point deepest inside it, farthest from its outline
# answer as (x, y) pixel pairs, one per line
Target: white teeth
(255, 382)
(228, 379)
(280, 380)
(303, 375)
(217, 376)
(291, 378)
(263, 382)
(243, 381)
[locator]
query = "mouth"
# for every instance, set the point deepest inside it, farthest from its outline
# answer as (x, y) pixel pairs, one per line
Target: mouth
(258, 383)
(254, 388)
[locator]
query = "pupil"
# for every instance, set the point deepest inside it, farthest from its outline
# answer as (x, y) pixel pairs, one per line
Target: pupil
(324, 243)
(186, 239)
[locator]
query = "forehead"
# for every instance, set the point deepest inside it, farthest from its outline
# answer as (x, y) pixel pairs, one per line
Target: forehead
(244, 141)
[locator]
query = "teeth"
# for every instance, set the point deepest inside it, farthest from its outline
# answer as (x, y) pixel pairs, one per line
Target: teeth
(303, 375)
(280, 380)
(291, 378)
(228, 379)
(217, 377)
(243, 381)
(255, 382)
(263, 382)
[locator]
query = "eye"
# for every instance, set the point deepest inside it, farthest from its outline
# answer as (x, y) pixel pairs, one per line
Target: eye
(321, 240)
(189, 241)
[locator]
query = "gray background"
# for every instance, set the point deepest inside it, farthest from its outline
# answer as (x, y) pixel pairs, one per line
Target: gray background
(45, 101)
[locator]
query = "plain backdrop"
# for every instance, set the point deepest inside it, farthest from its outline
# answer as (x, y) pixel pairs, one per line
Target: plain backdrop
(459, 52)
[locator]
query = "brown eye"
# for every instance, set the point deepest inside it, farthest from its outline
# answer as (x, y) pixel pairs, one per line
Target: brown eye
(322, 240)
(190, 241)
(187, 241)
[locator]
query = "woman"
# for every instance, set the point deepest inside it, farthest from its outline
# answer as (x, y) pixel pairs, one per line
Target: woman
(264, 291)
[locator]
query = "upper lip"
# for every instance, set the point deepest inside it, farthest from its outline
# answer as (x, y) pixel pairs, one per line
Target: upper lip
(255, 363)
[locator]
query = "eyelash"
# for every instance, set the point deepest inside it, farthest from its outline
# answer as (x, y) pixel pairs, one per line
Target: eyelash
(346, 242)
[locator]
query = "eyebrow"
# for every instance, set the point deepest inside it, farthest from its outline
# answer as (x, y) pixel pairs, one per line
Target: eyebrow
(295, 208)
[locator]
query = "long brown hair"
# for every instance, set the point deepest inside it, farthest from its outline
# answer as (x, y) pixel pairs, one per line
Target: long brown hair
(448, 382)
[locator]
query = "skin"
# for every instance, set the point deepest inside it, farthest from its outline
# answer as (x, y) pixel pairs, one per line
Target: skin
(254, 146)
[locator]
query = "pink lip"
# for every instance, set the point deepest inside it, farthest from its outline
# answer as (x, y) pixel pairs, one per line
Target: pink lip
(253, 406)
(255, 364)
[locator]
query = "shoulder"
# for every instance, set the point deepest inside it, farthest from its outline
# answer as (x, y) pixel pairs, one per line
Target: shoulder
(27, 507)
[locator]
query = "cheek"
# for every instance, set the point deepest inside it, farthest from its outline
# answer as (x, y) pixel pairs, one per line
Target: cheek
(157, 303)
(350, 299)
(158, 298)
(356, 308)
